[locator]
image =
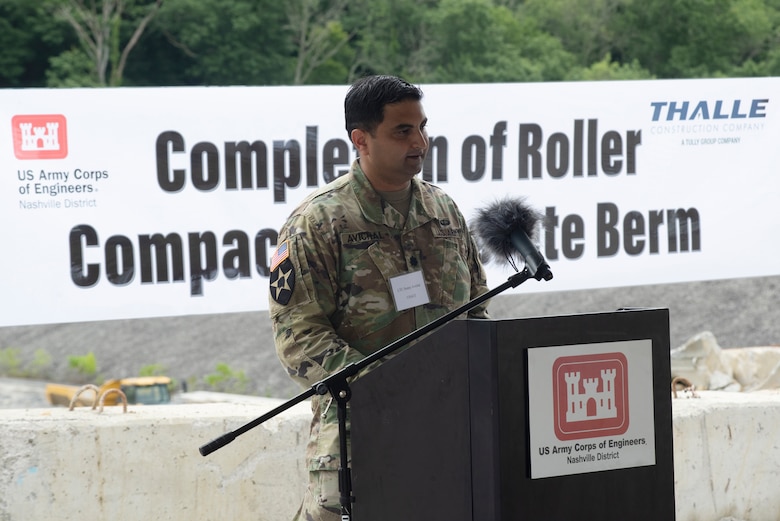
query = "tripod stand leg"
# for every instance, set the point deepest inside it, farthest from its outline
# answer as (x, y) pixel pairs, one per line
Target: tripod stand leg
(342, 396)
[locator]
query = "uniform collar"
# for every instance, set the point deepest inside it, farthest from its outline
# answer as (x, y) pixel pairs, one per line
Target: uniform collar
(420, 208)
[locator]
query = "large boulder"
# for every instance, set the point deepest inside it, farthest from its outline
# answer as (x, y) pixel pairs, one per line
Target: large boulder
(706, 365)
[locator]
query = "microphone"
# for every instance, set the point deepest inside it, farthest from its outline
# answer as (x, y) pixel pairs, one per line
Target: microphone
(506, 227)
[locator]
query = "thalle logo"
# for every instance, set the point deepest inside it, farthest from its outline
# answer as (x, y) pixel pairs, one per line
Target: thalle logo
(590, 396)
(40, 136)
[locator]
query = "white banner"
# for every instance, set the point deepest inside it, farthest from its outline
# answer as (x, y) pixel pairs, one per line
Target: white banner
(130, 203)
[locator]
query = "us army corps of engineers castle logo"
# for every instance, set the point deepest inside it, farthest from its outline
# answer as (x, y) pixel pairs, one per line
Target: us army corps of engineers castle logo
(40, 136)
(590, 396)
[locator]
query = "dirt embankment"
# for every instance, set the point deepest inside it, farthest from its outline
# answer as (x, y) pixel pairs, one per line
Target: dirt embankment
(739, 313)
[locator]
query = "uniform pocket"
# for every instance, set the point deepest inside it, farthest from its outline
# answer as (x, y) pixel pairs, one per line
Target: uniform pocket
(367, 305)
(449, 276)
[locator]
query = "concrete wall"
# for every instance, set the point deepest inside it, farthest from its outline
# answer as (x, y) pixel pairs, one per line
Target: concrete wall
(57, 464)
(727, 456)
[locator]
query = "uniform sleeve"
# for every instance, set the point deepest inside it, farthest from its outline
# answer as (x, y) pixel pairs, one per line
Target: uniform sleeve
(303, 294)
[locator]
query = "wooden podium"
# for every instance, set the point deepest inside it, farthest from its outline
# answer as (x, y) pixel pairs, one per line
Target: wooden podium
(558, 418)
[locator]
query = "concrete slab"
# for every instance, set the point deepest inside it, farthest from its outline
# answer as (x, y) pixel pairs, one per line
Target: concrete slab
(145, 464)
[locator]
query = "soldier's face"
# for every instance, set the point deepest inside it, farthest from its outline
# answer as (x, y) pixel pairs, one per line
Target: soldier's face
(395, 152)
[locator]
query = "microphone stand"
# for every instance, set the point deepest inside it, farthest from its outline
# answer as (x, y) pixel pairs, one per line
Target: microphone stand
(336, 384)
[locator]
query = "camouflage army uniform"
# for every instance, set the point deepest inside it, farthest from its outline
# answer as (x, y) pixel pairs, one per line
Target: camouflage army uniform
(330, 297)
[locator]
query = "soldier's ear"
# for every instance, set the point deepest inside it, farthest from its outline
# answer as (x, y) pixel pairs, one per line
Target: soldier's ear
(359, 139)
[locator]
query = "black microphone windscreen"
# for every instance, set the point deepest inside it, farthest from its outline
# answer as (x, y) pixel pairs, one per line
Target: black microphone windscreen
(494, 224)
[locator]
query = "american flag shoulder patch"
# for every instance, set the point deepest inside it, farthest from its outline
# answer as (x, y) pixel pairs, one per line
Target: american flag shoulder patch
(281, 253)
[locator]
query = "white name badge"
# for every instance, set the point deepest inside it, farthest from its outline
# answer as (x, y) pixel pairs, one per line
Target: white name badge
(409, 290)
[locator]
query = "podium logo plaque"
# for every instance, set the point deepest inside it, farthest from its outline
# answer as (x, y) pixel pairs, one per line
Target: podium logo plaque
(590, 396)
(590, 407)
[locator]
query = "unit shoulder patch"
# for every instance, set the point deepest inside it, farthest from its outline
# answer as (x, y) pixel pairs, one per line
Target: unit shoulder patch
(282, 282)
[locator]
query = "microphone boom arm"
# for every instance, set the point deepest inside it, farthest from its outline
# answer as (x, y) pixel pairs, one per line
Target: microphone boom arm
(352, 369)
(339, 389)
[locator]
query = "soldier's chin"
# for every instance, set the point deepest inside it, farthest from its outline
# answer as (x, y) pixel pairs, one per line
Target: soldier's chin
(416, 163)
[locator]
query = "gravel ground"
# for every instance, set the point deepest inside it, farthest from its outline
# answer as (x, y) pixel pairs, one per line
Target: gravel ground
(739, 312)
(19, 393)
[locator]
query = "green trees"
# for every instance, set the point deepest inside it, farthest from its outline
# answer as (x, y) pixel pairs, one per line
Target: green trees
(28, 38)
(702, 38)
(60, 43)
(218, 42)
(477, 41)
(107, 31)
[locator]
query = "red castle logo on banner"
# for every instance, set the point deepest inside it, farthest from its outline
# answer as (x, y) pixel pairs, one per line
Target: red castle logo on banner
(40, 136)
(590, 396)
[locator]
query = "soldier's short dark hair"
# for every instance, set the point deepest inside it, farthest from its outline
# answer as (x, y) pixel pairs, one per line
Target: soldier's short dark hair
(364, 106)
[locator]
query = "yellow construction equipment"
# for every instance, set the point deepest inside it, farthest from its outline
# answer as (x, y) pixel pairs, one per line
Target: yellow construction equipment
(147, 390)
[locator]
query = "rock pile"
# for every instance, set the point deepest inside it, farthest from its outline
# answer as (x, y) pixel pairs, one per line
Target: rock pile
(706, 365)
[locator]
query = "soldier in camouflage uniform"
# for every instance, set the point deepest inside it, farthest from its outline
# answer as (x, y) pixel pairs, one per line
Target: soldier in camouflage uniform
(339, 255)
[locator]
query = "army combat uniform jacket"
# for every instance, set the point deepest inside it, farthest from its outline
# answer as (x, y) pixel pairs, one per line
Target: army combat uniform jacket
(331, 302)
